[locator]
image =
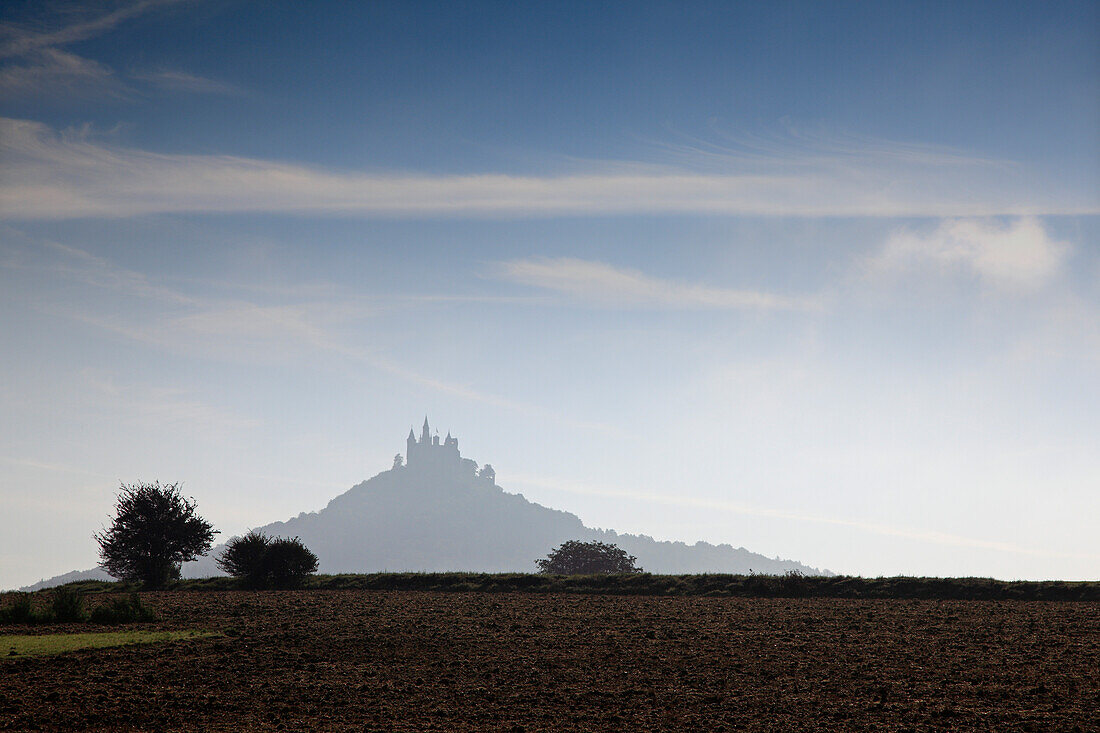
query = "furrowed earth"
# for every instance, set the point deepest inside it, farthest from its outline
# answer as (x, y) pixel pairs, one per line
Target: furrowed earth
(410, 660)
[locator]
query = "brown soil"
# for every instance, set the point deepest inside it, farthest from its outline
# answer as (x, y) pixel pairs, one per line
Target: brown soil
(384, 660)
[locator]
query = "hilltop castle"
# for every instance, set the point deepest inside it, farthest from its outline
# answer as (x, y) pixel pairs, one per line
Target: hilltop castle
(429, 454)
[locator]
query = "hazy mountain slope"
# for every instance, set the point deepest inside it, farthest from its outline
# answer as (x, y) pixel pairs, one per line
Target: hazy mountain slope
(437, 518)
(408, 519)
(69, 577)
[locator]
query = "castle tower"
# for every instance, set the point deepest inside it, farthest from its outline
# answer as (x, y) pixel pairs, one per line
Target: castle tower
(425, 434)
(410, 446)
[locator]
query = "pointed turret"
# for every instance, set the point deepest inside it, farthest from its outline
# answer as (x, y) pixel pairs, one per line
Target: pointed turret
(410, 447)
(425, 434)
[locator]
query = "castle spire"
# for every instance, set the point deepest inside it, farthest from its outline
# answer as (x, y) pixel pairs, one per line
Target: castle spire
(425, 434)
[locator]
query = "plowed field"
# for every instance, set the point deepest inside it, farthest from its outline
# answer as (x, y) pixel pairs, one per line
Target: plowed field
(385, 660)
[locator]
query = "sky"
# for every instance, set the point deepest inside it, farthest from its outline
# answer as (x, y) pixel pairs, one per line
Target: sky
(821, 280)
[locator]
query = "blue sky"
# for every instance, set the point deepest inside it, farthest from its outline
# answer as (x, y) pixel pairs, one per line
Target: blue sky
(821, 280)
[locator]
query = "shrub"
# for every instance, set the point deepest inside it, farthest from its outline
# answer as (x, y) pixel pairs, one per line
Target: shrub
(68, 606)
(243, 557)
(587, 558)
(21, 611)
(154, 530)
(287, 561)
(261, 561)
(122, 611)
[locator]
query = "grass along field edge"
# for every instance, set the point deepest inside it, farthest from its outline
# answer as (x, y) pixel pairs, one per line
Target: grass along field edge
(21, 646)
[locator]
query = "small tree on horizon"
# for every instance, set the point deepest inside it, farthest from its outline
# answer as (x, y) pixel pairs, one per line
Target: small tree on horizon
(587, 558)
(155, 529)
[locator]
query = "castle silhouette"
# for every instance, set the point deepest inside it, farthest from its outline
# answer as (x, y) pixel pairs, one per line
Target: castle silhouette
(428, 454)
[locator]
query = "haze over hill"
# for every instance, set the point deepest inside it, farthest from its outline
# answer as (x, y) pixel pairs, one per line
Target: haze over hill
(440, 512)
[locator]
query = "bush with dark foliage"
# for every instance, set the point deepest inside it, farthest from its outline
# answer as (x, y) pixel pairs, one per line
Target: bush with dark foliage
(122, 611)
(243, 557)
(154, 530)
(287, 561)
(67, 606)
(20, 611)
(587, 558)
(261, 561)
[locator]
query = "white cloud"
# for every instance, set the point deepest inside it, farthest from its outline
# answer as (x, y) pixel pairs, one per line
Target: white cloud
(1018, 254)
(601, 283)
(52, 176)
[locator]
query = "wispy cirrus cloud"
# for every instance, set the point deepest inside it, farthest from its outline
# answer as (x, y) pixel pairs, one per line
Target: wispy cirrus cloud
(49, 71)
(59, 176)
(796, 146)
(710, 505)
(94, 271)
(40, 68)
(604, 284)
(158, 406)
(180, 81)
(234, 329)
(20, 41)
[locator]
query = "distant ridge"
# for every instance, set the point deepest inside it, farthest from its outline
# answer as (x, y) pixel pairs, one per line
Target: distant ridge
(439, 512)
(69, 577)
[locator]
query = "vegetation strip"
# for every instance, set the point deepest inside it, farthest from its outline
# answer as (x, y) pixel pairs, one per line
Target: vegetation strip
(20, 646)
(716, 584)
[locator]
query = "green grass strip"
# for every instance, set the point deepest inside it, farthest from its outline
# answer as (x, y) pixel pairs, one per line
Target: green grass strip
(19, 646)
